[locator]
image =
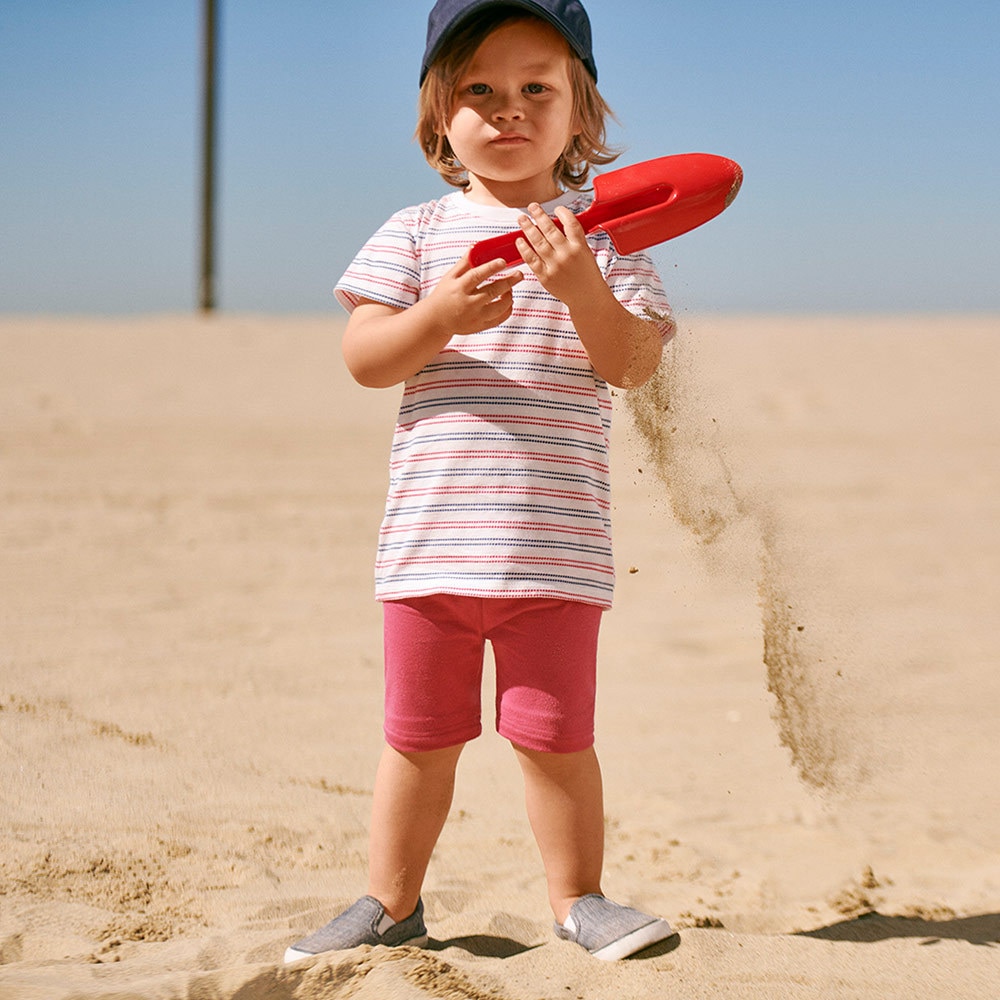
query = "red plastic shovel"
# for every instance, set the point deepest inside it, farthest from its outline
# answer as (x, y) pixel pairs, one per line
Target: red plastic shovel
(645, 204)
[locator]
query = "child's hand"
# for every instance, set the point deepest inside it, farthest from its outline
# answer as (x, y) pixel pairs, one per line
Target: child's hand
(469, 299)
(561, 259)
(384, 345)
(624, 349)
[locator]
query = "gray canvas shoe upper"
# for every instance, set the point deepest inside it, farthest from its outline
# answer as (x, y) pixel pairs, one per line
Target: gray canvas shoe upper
(364, 922)
(610, 931)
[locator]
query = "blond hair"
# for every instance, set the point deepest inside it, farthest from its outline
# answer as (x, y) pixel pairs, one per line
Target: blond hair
(589, 148)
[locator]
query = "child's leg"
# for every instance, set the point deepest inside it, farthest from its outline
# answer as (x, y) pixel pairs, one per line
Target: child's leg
(433, 678)
(413, 793)
(565, 801)
(546, 657)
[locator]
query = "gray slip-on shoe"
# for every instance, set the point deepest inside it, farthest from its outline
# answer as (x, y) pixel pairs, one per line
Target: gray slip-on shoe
(610, 931)
(365, 922)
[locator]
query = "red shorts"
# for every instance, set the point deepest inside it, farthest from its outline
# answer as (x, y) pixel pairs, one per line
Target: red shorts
(546, 664)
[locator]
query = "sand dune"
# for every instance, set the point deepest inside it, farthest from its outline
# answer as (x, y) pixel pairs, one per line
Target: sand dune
(798, 701)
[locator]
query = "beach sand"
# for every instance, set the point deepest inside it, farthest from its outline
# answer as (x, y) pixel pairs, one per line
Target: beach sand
(799, 695)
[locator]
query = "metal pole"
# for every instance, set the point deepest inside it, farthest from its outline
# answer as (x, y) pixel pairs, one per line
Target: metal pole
(206, 292)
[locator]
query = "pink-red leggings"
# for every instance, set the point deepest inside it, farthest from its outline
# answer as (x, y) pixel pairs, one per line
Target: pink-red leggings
(546, 665)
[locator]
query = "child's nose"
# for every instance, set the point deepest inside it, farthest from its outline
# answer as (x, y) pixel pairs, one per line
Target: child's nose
(508, 107)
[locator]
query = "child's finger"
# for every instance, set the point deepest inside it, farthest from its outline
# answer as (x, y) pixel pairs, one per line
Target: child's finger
(525, 249)
(463, 268)
(570, 223)
(542, 223)
(484, 272)
(499, 287)
(532, 244)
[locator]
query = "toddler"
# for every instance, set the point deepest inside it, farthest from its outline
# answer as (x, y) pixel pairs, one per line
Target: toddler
(497, 522)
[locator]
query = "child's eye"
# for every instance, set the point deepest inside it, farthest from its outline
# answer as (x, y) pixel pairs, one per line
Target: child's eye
(535, 88)
(479, 89)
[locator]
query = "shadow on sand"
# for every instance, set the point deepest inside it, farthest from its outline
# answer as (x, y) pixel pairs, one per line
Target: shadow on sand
(491, 946)
(873, 926)
(483, 945)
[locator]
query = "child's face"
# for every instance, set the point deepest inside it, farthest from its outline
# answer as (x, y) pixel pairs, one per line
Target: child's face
(512, 114)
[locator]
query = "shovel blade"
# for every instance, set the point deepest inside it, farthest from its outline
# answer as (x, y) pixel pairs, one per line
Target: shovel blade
(680, 193)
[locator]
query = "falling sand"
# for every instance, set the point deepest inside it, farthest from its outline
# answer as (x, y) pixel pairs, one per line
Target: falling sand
(740, 531)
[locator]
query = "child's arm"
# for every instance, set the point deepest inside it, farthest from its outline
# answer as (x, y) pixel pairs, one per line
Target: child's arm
(384, 346)
(623, 348)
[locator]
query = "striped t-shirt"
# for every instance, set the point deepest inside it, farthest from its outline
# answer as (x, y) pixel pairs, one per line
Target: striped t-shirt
(499, 483)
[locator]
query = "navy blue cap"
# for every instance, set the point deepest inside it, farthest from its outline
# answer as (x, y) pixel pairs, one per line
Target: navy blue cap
(567, 16)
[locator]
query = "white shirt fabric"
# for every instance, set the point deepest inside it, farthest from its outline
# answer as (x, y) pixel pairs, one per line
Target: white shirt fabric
(499, 480)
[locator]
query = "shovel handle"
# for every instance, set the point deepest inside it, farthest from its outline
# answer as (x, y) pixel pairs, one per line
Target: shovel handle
(506, 245)
(496, 247)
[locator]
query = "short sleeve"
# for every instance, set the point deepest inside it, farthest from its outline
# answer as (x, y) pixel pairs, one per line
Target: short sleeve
(386, 269)
(634, 282)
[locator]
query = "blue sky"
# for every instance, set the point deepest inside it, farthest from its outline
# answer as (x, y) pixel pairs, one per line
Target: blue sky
(868, 131)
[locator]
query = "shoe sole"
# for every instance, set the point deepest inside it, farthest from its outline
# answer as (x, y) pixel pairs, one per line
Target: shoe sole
(644, 937)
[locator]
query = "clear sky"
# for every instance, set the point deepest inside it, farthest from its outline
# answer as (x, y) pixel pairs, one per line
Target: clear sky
(869, 133)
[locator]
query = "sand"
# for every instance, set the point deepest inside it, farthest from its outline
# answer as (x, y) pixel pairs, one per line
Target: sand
(799, 695)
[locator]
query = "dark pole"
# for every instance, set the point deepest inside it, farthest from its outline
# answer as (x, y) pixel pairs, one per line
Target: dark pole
(206, 292)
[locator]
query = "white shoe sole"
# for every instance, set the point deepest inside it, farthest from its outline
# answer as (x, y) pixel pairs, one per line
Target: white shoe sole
(644, 937)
